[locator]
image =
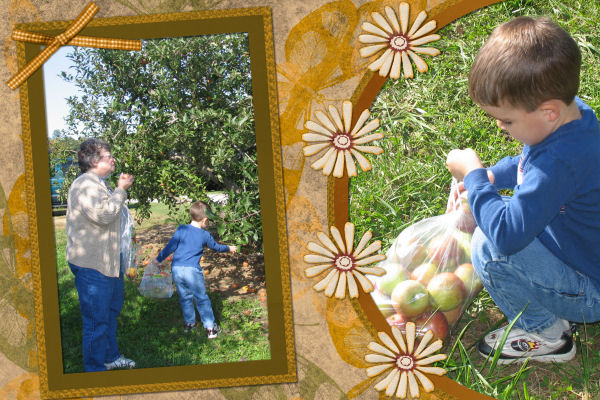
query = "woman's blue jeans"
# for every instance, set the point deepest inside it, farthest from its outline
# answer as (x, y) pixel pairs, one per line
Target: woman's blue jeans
(536, 278)
(100, 302)
(190, 286)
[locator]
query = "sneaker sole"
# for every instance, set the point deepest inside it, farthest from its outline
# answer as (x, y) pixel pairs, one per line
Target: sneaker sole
(565, 353)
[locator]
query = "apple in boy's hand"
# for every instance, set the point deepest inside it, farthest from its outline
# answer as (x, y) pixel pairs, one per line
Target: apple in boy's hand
(447, 291)
(410, 298)
(394, 274)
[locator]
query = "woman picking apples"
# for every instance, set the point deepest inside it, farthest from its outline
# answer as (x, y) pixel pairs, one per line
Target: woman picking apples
(93, 226)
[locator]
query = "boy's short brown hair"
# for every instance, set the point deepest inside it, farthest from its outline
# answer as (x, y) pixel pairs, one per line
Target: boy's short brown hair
(525, 62)
(198, 211)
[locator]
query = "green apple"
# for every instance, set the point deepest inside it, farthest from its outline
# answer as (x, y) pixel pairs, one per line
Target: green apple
(424, 272)
(410, 298)
(447, 291)
(464, 241)
(469, 277)
(394, 274)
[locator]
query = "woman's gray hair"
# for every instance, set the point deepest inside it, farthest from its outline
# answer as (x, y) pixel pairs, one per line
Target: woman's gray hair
(89, 153)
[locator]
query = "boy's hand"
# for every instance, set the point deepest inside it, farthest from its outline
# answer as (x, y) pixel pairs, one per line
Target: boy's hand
(233, 249)
(461, 162)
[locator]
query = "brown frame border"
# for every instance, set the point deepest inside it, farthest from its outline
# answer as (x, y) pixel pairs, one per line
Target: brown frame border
(281, 367)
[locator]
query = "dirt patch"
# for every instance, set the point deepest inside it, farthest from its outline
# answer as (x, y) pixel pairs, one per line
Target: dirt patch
(232, 275)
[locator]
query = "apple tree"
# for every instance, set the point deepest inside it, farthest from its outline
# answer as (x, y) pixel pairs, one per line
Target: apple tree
(178, 115)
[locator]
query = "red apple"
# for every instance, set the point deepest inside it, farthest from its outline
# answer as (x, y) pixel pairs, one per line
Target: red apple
(447, 291)
(394, 274)
(410, 298)
(444, 250)
(398, 320)
(434, 322)
(424, 272)
(453, 316)
(469, 277)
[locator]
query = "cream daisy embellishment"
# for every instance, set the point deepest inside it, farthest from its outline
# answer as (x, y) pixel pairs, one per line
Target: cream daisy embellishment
(345, 264)
(343, 142)
(398, 44)
(406, 363)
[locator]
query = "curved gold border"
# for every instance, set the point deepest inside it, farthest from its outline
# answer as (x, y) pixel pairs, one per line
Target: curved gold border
(282, 365)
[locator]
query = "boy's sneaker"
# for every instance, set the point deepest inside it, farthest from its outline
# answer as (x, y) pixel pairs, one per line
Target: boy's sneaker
(190, 327)
(213, 332)
(521, 345)
(120, 363)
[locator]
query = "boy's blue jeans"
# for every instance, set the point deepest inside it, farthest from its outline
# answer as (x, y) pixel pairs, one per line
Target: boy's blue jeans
(100, 302)
(190, 286)
(538, 279)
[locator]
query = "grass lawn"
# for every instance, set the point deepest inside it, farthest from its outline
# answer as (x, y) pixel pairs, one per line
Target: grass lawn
(426, 117)
(150, 331)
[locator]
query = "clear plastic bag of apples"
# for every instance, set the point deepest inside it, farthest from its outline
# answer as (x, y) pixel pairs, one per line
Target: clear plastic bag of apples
(429, 277)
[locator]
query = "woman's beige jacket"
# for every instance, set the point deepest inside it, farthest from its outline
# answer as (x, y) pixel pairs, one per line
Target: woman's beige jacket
(94, 223)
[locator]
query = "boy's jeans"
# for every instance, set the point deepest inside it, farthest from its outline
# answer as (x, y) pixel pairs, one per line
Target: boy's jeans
(100, 302)
(190, 286)
(536, 278)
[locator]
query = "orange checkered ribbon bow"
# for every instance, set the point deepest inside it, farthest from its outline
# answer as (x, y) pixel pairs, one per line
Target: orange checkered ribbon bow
(68, 37)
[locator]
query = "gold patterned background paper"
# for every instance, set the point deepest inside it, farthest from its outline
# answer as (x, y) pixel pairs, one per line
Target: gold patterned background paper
(317, 63)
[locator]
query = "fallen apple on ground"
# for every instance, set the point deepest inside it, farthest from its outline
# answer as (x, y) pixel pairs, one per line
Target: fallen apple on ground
(130, 272)
(410, 298)
(447, 291)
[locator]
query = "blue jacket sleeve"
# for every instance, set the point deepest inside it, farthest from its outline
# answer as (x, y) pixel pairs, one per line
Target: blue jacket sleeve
(211, 244)
(505, 172)
(170, 247)
(511, 225)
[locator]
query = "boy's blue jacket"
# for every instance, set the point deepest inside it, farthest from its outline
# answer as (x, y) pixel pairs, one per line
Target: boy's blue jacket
(188, 244)
(558, 200)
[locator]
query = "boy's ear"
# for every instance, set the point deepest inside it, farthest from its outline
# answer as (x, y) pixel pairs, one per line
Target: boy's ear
(551, 109)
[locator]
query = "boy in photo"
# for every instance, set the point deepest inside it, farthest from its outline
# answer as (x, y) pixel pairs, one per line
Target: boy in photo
(187, 246)
(538, 250)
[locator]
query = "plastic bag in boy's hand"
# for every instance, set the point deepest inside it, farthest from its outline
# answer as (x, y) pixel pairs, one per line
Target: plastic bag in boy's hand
(458, 206)
(429, 278)
(156, 283)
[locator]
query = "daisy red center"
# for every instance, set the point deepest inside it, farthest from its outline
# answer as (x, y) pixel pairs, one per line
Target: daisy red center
(344, 263)
(405, 362)
(399, 42)
(342, 141)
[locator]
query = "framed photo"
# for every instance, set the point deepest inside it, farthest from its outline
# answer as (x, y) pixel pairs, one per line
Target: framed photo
(233, 33)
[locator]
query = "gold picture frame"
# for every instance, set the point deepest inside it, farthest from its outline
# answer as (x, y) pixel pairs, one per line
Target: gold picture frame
(281, 367)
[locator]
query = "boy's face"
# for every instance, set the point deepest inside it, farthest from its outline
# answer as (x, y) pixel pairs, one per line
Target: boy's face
(529, 128)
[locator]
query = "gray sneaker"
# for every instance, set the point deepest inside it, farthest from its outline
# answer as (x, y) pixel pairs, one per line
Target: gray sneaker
(120, 363)
(521, 345)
